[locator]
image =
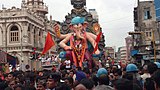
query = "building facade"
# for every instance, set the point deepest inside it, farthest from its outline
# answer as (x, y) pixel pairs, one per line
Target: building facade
(145, 37)
(94, 13)
(110, 52)
(25, 28)
(123, 53)
(157, 8)
(129, 47)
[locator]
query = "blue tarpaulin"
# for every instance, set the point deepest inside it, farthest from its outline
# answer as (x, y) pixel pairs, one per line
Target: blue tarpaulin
(133, 52)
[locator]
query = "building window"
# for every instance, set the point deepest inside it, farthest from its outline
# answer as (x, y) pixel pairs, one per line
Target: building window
(14, 34)
(150, 34)
(147, 14)
(147, 34)
(29, 34)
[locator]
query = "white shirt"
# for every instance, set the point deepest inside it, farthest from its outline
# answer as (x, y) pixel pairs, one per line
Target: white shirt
(68, 63)
(145, 75)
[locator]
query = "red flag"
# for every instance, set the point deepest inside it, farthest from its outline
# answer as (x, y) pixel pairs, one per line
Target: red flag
(49, 43)
(97, 40)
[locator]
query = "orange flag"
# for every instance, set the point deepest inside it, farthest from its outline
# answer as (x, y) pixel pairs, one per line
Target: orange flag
(49, 43)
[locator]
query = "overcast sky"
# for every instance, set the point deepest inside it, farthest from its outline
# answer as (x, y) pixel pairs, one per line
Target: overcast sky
(115, 16)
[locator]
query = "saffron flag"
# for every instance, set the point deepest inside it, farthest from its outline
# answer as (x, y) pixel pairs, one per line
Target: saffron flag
(97, 40)
(49, 43)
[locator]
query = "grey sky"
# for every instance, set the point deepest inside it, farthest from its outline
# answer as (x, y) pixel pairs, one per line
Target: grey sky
(115, 16)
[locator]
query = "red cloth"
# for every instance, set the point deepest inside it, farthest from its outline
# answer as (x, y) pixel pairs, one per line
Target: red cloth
(97, 40)
(49, 43)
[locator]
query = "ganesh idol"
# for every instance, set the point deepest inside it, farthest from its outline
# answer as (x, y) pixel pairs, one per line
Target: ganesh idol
(76, 43)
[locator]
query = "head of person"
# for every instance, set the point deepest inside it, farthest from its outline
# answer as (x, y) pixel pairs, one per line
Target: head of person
(79, 68)
(149, 84)
(131, 68)
(19, 87)
(53, 80)
(40, 73)
(13, 69)
(80, 87)
(152, 67)
(10, 76)
(69, 81)
(114, 68)
(71, 73)
(12, 84)
(145, 68)
(101, 71)
(80, 75)
(87, 83)
(125, 84)
(102, 76)
(41, 85)
(156, 78)
(117, 74)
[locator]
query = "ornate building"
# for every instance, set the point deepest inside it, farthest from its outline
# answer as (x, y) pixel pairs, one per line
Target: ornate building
(22, 29)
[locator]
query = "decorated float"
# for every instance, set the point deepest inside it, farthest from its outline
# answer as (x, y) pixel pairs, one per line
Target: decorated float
(80, 36)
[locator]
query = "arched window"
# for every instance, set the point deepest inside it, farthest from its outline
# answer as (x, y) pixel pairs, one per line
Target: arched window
(14, 34)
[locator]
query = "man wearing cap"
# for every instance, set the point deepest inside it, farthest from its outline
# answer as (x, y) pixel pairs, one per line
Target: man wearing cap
(52, 81)
(103, 80)
(133, 75)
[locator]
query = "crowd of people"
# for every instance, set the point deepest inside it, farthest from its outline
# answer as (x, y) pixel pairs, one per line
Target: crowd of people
(131, 77)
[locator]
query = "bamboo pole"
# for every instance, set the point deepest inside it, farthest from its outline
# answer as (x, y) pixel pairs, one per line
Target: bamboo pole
(154, 46)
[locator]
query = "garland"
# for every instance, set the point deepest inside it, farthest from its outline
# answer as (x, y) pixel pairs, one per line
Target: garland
(78, 51)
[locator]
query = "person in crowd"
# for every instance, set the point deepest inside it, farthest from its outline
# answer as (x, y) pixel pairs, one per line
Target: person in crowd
(149, 84)
(19, 87)
(79, 76)
(94, 79)
(11, 85)
(146, 73)
(85, 63)
(114, 68)
(11, 76)
(72, 74)
(88, 83)
(117, 74)
(1, 75)
(41, 85)
(80, 87)
(133, 75)
(63, 86)
(103, 80)
(125, 84)
(152, 67)
(53, 81)
(156, 78)
(67, 64)
(69, 82)
(54, 68)
(87, 72)
(4, 83)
